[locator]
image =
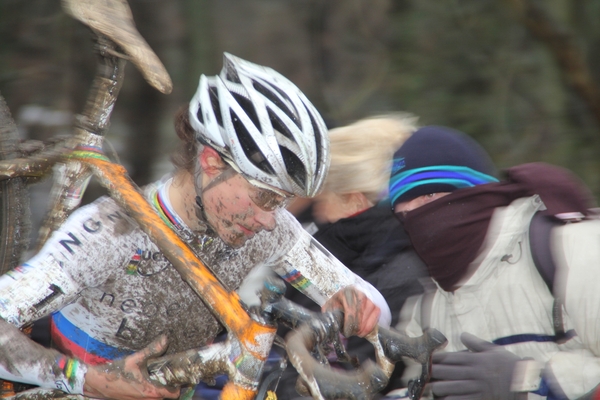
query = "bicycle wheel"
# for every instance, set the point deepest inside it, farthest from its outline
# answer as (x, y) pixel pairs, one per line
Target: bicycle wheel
(14, 200)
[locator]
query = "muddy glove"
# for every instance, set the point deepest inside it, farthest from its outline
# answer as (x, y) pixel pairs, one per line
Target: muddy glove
(484, 372)
(185, 368)
(360, 313)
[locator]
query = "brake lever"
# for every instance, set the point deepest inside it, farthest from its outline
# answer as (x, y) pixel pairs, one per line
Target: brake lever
(395, 345)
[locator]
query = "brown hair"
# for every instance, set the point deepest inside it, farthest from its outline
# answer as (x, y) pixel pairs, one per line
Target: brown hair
(185, 156)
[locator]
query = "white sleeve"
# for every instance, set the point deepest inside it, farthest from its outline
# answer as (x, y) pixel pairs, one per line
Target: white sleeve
(34, 289)
(313, 270)
(28, 292)
(25, 361)
(66, 264)
(577, 254)
(47, 282)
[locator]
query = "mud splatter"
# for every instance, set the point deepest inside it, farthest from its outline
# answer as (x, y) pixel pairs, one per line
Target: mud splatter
(123, 308)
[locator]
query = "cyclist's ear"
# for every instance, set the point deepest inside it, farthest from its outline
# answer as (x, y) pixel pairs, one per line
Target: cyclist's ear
(211, 162)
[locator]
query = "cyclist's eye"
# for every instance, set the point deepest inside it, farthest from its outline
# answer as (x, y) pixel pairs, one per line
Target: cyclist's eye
(268, 201)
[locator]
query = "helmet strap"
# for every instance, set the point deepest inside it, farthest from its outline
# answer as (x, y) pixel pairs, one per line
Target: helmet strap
(199, 209)
(229, 172)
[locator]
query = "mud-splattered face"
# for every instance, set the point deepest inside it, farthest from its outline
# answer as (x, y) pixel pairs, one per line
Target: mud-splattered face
(232, 213)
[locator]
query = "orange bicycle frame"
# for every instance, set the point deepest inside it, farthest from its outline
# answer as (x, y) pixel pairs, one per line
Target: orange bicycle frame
(255, 338)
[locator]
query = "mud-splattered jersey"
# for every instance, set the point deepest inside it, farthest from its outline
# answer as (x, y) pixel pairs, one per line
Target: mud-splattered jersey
(111, 291)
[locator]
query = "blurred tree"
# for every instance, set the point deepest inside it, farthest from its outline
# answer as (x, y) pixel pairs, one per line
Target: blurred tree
(200, 48)
(43, 62)
(142, 109)
(472, 65)
(565, 49)
(350, 61)
(520, 76)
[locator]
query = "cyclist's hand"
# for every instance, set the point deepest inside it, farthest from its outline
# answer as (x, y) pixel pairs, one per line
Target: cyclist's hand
(360, 313)
(127, 379)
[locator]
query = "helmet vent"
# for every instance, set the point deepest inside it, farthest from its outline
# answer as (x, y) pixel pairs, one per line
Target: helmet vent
(279, 126)
(249, 146)
(214, 101)
(279, 103)
(248, 107)
(231, 75)
(294, 166)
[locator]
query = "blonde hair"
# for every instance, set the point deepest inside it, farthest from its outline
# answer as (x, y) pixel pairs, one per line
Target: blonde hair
(361, 154)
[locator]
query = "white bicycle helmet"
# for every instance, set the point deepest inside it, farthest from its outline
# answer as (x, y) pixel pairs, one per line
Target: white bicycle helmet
(263, 126)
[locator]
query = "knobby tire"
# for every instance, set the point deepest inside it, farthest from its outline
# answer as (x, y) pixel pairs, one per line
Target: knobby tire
(14, 200)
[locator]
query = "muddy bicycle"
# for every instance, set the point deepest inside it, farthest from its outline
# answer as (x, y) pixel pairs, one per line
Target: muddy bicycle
(251, 333)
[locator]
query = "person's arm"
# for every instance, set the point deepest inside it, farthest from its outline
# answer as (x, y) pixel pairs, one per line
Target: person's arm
(310, 268)
(23, 360)
(28, 292)
(67, 264)
(127, 379)
(39, 287)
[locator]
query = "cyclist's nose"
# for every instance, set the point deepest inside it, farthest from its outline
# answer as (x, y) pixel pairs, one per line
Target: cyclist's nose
(266, 219)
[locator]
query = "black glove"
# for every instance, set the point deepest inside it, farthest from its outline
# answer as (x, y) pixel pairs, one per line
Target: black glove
(484, 372)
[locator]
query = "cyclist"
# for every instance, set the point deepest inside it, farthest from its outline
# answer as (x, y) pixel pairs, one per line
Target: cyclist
(251, 141)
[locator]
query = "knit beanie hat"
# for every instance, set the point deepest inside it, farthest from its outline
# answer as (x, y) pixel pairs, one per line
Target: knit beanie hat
(438, 159)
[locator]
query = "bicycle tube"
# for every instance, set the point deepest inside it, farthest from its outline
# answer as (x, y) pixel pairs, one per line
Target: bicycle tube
(14, 200)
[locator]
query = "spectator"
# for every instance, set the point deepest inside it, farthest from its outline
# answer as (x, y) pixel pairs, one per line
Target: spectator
(476, 236)
(355, 223)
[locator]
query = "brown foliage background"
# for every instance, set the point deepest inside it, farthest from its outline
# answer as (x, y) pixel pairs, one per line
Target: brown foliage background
(521, 76)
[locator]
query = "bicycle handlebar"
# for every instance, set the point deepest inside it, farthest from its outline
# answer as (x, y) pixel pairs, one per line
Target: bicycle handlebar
(391, 346)
(313, 333)
(320, 380)
(317, 329)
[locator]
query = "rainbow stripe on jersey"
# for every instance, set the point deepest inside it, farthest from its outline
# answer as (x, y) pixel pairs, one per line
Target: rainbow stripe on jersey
(75, 342)
(297, 280)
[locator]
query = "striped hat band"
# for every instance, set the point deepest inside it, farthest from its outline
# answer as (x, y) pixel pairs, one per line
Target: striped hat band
(451, 175)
